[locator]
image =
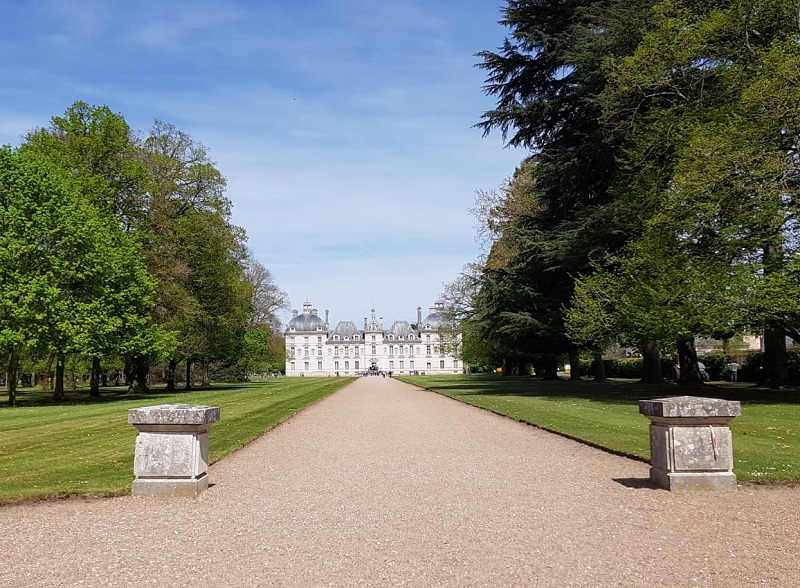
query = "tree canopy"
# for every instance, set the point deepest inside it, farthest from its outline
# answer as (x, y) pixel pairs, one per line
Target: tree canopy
(116, 246)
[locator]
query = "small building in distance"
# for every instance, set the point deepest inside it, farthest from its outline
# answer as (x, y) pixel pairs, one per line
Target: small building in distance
(429, 346)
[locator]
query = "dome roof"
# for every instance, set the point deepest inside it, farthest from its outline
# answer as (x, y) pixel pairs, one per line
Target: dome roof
(434, 321)
(307, 321)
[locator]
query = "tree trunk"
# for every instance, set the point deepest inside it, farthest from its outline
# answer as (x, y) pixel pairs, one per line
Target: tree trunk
(140, 367)
(687, 359)
(776, 369)
(58, 388)
(599, 367)
(94, 379)
(574, 365)
(49, 372)
(171, 367)
(127, 372)
(205, 383)
(11, 376)
(651, 363)
(188, 374)
(550, 366)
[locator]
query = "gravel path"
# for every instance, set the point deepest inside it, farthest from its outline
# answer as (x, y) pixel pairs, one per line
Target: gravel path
(384, 484)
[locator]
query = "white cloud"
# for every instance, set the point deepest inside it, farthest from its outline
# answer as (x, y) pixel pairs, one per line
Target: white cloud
(343, 126)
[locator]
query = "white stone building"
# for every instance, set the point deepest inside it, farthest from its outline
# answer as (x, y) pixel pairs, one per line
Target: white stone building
(426, 347)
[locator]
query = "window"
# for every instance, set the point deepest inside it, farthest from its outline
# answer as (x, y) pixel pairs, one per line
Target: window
(427, 338)
(455, 363)
(336, 365)
(319, 350)
(292, 351)
(306, 366)
(441, 364)
(373, 338)
(346, 365)
(401, 365)
(356, 350)
(429, 365)
(391, 337)
(336, 337)
(411, 364)
(417, 349)
(355, 337)
(319, 340)
(347, 350)
(356, 366)
(374, 350)
(428, 349)
(391, 365)
(391, 349)
(336, 351)
(291, 339)
(291, 365)
(305, 339)
(319, 366)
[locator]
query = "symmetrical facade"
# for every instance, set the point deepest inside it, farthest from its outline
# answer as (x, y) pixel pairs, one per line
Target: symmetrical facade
(313, 349)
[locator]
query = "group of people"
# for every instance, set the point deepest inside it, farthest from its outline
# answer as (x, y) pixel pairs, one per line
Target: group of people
(733, 371)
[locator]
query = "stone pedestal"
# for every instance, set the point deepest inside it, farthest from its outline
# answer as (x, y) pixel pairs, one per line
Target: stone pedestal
(171, 449)
(690, 442)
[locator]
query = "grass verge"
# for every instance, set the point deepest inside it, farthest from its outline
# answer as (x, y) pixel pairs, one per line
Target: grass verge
(82, 447)
(766, 438)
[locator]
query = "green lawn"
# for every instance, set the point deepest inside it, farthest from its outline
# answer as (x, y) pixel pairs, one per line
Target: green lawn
(766, 438)
(80, 447)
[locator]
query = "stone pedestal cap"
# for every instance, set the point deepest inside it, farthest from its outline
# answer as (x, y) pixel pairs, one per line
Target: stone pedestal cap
(691, 407)
(174, 414)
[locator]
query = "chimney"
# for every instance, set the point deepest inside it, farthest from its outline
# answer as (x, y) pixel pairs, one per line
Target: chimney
(365, 323)
(419, 318)
(294, 312)
(326, 319)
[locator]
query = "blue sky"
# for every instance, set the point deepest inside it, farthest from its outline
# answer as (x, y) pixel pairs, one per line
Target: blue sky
(343, 127)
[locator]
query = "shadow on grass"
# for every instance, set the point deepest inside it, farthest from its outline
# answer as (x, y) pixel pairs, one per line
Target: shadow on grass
(612, 391)
(29, 397)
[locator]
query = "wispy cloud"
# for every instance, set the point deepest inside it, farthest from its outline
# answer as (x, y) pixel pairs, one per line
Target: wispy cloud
(343, 126)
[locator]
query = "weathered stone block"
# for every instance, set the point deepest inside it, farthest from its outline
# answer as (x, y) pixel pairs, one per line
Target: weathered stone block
(690, 442)
(171, 449)
(171, 455)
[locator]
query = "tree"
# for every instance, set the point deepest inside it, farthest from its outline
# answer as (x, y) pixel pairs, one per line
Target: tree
(557, 214)
(97, 146)
(267, 298)
(72, 280)
(212, 250)
(182, 183)
(707, 108)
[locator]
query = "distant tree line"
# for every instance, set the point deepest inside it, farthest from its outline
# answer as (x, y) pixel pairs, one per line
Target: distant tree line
(117, 250)
(659, 199)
